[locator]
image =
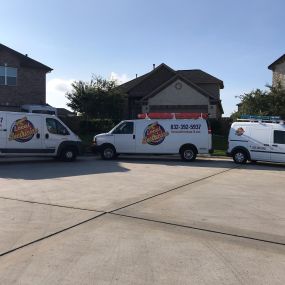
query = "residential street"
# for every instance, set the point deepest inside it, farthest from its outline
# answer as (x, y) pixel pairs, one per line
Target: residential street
(141, 220)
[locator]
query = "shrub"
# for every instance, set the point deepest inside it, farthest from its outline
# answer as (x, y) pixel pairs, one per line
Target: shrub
(96, 126)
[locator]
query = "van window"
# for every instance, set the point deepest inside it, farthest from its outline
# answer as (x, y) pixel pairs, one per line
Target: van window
(279, 137)
(125, 128)
(55, 127)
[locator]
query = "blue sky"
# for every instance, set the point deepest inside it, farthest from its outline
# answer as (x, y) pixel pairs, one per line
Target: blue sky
(232, 40)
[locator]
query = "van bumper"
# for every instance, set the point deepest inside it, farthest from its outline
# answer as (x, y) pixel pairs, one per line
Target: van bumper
(95, 148)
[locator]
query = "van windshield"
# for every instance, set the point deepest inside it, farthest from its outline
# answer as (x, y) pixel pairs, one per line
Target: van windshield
(123, 128)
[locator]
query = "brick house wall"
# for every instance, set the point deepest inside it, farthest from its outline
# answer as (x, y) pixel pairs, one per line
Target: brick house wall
(30, 87)
(278, 75)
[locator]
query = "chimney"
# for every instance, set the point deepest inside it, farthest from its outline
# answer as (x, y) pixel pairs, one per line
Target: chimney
(153, 65)
(136, 75)
(26, 55)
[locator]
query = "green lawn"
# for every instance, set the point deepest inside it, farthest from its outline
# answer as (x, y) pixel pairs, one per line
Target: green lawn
(220, 145)
(86, 141)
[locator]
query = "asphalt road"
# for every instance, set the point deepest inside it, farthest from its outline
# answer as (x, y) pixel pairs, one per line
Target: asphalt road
(141, 221)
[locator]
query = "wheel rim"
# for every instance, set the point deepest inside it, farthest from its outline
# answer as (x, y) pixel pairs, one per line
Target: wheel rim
(69, 154)
(188, 154)
(239, 156)
(108, 153)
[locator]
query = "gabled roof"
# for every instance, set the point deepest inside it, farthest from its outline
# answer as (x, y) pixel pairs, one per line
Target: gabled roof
(145, 84)
(173, 79)
(199, 76)
(277, 61)
(149, 82)
(25, 60)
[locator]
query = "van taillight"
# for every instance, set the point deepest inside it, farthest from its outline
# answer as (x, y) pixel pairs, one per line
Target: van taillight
(209, 127)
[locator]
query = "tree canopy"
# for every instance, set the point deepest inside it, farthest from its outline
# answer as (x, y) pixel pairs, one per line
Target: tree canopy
(269, 102)
(99, 98)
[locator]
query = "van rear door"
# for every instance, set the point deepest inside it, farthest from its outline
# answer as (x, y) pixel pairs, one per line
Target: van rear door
(3, 131)
(278, 146)
(24, 133)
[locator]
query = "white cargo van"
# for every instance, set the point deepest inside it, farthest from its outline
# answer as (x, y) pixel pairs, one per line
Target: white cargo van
(257, 138)
(153, 135)
(27, 134)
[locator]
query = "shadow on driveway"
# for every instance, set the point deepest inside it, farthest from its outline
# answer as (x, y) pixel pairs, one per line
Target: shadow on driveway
(36, 169)
(199, 162)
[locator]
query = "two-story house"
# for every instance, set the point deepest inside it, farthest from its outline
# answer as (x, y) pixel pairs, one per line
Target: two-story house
(278, 71)
(22, 80)
(166, 90)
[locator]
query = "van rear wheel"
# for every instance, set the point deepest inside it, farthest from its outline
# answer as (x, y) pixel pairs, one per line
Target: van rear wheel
(188, 154)
(108, 152)
(240, 157)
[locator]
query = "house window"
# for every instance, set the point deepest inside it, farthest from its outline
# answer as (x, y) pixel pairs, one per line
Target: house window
(8, 76)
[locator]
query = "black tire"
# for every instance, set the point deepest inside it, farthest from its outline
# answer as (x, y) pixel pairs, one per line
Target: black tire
(240, 156)
(188, 153)
(108, 152)
(68, 154)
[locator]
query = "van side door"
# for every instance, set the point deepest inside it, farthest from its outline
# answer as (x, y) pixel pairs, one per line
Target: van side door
(259, 144)
(278, 146)
(3, 131)
(125, 138)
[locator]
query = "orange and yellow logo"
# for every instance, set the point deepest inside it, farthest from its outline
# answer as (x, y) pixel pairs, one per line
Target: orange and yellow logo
(240, 131)
(22, 130)
(154, 134)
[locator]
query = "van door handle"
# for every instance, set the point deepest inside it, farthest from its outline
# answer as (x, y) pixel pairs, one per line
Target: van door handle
(134, 136)
(47, 136)
(275, 145)
(38, 136)
(266, 144)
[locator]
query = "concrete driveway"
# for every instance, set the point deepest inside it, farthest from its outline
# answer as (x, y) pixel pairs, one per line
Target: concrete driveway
(141, 221)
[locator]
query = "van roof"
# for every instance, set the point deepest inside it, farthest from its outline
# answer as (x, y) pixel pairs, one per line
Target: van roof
(240, 123)
(25, 113)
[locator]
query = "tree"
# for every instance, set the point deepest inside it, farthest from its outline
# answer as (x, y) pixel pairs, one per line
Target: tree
(277, 100)
(99, 98)
(262, 102)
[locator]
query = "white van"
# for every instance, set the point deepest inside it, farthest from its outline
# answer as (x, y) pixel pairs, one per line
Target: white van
(257, 139)
(23, 134)
(187, 137)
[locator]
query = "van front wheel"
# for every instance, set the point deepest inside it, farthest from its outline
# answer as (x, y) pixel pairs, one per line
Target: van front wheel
(68, 154)
(240, 157)
(108, 152)
(188, 154)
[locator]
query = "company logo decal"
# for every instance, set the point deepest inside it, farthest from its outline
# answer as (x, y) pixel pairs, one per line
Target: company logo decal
(22, 130)
(240, 131)
(154, 134)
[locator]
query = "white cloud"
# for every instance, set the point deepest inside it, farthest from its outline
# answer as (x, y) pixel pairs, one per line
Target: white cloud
(56, 90)
(120, 78)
